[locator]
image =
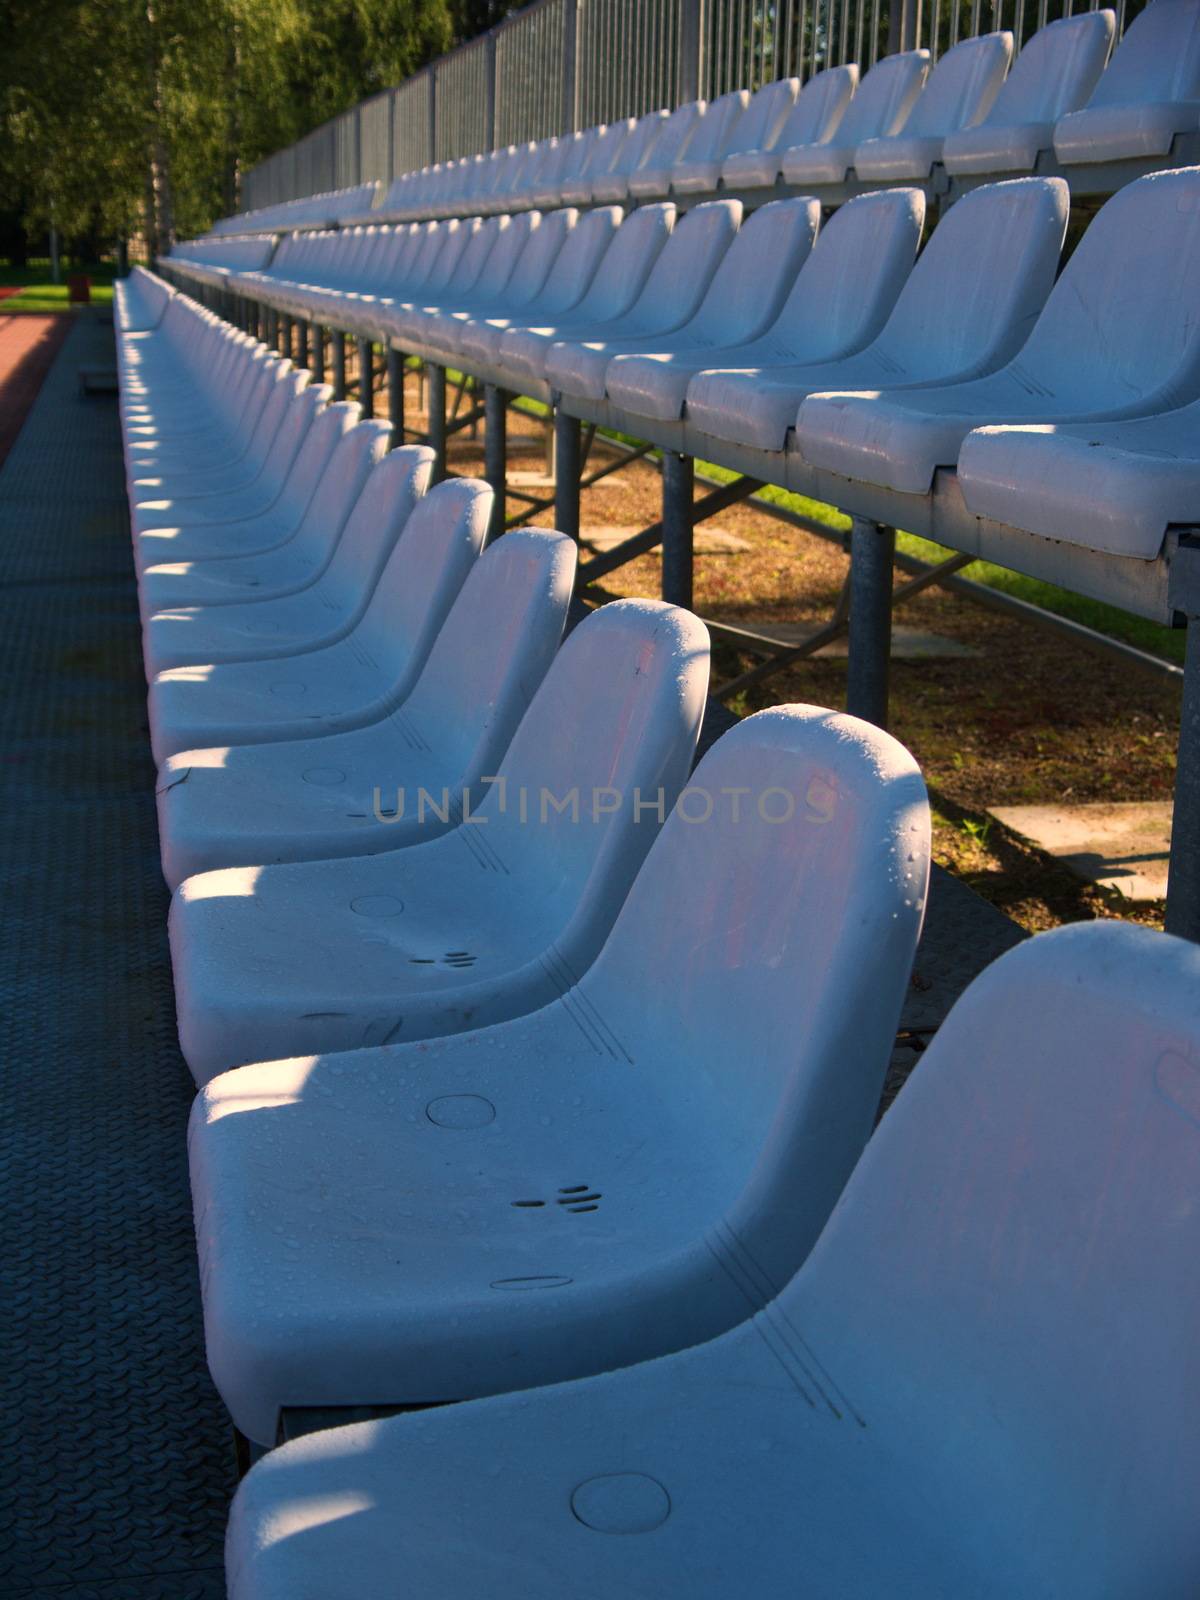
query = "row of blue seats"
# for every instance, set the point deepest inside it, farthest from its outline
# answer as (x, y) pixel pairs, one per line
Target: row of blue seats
(578, 1063)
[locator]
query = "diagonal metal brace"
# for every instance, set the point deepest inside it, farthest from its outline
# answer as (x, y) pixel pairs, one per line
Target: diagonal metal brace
(833, 629)
(535, 505)
(729, 494)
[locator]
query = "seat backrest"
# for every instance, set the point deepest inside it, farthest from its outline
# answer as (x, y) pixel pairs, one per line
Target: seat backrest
(482, 234)
(1123, 321)
(962, 86)
(575, 264)
(560, 160)
(1158, 58)
(284, 395)
(845, 291)
(542, 166)
(396, 265)
(1027, 1214)
(293, 435)
(884, 98)
(606, 147)
(347, 449)
(681, 275)
(440, 247)
(711, 135)
(613, 723)
(395, 485)
(541, 250)
(628, 261)
(662, 153)
(515, 169)
(307, 438)
(750, 284)
(506, 251)
(760, 962)
(819, 109)
(1056, 71)
(636, 147)
(981, 282)
(493, 650)
(440, 542)
(765, 116)
(579, 152)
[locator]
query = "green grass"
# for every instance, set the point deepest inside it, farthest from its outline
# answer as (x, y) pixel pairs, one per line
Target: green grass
(39, 294)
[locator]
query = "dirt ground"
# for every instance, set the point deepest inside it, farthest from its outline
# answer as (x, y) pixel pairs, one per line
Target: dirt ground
(1028, 717)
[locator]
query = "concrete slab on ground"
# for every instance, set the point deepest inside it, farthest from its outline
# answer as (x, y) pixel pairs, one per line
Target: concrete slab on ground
(908, 644)
(1123, 846)
(706, 541)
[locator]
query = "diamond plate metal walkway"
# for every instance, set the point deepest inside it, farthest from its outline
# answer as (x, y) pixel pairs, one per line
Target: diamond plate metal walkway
(116, 1460)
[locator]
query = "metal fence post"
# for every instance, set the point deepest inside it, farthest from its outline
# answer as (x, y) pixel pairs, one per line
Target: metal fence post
(433, 145)
(692, 21)
(902, 26)
(489, 91)
(569, 117)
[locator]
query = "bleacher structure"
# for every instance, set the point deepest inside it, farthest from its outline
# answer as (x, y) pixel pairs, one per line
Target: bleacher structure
(535, 1188)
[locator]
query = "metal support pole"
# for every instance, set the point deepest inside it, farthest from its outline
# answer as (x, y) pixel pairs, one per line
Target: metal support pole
(679, 476)
(872, 549)
(318, 362)
(395, 387)
(431, 74)
(366, 378)
(1183, 873)
(337, 356)
(489, 90)
(495, 454)
(568, 469)
(285, 335)
(569, 114)
(302, 341)
(692, 32)
(437, 419)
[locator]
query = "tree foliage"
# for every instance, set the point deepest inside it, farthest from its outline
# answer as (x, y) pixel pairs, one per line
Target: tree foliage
(120, 117)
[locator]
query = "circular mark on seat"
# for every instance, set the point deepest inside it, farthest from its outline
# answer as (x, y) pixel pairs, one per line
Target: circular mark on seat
(377, 905)
(461, 1111)
(622, 1502)
(325, 776)
(546, 1281)
(289, 689)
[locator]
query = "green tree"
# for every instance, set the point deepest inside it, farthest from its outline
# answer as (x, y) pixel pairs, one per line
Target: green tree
(127, 116)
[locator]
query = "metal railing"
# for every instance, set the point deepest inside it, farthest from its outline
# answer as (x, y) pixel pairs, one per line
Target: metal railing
(560, 65)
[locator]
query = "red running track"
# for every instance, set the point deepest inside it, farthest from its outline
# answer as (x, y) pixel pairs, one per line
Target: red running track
(28, 346)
